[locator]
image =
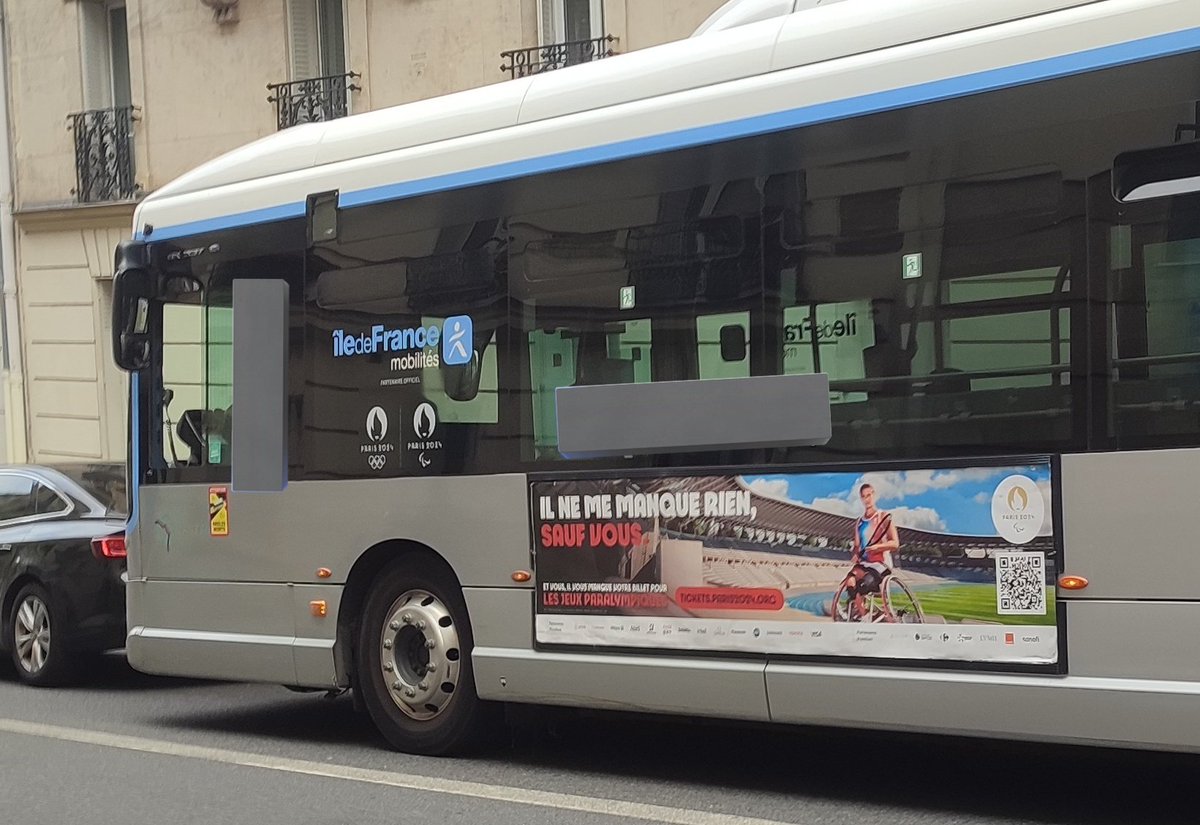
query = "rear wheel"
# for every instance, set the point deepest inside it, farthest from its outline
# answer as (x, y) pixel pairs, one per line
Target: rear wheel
(39, 652)
(413, 663)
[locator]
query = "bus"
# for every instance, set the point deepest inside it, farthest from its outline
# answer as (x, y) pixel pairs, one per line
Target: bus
(840, 368)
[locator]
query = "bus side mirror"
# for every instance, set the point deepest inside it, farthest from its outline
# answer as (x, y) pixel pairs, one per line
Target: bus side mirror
(133, 290)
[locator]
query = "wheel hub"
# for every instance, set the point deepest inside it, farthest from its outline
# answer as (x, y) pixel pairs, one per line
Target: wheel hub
(419, 654)
(32, 634)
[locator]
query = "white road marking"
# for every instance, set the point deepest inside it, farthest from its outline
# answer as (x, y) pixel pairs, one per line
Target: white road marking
(415, 782)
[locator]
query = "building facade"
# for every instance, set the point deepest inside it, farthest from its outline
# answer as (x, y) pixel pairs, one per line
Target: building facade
(107, 100)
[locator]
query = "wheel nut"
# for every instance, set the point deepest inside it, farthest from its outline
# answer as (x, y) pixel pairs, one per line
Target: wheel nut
(407, 618)
(396, 685)
(421, 625)
(430, 644)
(387, 644)
(410, 693)
(430, 668)
(424, 686)
(394, 625)
(388, 667)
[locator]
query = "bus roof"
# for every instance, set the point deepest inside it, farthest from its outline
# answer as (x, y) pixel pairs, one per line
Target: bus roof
(655, 98)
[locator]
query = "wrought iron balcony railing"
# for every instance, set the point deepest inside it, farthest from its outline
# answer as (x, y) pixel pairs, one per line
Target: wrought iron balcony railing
(523, 62)
(312, 100)
(104, 154)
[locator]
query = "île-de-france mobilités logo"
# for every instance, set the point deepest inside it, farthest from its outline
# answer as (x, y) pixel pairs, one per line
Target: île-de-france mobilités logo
(457, 343)
(411, 347)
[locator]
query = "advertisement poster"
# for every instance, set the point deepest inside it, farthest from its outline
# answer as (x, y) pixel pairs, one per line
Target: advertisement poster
(954, 564)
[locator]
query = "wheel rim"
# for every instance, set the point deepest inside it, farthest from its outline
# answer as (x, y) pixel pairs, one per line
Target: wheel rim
(902, 604)
(32, 634)
(420, 654)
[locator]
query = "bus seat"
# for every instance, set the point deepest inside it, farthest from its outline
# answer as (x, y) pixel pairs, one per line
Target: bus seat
(191, 433)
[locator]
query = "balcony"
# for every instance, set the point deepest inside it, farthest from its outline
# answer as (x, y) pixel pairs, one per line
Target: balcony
(524, 62)
(312, 101)
(104, 155)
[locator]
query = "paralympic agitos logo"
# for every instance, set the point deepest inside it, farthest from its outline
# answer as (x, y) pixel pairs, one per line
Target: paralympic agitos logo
(413, 347)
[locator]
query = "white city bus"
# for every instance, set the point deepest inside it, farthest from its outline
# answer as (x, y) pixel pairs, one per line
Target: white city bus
(838, 368)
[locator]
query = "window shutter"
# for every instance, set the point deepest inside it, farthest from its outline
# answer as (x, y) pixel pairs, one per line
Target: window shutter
(94, 56)
(302, 37)
(549, 21)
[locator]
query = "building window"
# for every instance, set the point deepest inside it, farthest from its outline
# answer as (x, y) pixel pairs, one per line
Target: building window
(565, 21)
(104, 53)
(317, 38)
(320, 86)
(569, 32)
(104, 129)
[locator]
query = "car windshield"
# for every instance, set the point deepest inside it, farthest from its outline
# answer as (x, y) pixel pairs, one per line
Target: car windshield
(104, 482)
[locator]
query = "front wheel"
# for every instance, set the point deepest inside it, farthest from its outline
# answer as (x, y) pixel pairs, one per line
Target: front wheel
(902, 604)
(413, 663)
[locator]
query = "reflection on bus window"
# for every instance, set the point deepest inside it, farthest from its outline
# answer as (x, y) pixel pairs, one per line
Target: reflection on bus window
(197, 382)
(947, 337)
(1155, 314)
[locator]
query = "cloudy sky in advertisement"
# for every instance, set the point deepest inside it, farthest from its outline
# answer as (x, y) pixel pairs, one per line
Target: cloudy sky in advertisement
(945, 501)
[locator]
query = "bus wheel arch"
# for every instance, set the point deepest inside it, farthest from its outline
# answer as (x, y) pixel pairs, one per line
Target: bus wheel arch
(404, 639)
(358, 585)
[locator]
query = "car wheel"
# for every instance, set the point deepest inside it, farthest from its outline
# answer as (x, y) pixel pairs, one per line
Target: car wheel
(38, 652)
(413, 663)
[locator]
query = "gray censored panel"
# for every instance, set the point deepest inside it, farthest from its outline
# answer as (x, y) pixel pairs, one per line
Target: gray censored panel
(693, 416)
(260, 342)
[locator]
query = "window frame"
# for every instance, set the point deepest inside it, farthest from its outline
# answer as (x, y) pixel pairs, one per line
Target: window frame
(37, 481)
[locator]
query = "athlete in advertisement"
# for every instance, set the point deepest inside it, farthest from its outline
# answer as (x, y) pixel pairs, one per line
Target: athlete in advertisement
(875, 539)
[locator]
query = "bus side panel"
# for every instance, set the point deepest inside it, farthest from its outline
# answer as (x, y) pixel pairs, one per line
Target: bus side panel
(655, 684)
(215, 630)
(1063, 709)
(479, 524)
(192, 614)
(1134, 639)
(1131, 524)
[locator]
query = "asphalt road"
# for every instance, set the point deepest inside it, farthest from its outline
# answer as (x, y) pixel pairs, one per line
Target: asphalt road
(130, 749)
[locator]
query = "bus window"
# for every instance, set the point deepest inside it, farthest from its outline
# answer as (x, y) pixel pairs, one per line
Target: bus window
(1023, 345)
(832, 338)
(197, 381)
(405, 335)
(659, 287)
(935, 337)
(1154, 311)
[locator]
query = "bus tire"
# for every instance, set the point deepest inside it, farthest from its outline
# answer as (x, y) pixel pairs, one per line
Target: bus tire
(413, 662)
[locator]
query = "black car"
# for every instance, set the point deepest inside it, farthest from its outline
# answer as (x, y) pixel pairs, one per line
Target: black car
(62, 559)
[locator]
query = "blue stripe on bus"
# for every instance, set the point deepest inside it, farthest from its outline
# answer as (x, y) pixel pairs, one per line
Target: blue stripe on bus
(254, 216)
(1049, 68)
(990, 80)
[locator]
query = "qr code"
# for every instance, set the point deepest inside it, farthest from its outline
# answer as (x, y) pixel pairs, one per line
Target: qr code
(1021, 584)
